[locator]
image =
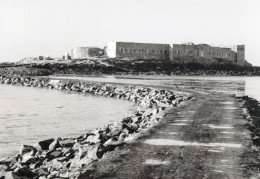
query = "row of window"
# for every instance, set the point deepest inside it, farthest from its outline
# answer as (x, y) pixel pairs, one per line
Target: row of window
(201, 53)
(142, 51)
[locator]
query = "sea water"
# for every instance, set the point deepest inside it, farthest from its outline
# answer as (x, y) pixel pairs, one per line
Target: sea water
(29, 114)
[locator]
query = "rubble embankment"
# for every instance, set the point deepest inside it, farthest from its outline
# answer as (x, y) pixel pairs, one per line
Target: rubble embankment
(68, 157)
(251, 110)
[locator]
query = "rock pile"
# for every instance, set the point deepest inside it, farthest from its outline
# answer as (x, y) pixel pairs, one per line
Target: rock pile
(251, 110)
(68, 157)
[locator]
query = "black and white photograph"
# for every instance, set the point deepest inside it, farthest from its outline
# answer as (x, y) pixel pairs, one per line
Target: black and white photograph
(129, 89)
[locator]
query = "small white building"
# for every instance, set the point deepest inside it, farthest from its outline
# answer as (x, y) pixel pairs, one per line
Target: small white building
(86, 52)
(110, 49)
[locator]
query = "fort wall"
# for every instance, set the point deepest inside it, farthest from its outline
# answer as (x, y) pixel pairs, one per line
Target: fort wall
(140, 51)
(202, 51)
(240, 54)
(176, 52)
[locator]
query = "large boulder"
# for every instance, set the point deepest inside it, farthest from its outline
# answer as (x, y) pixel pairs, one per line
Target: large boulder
(54, 154)
(41, 172)
(54, 83)
(67, 142)
(23, 172)
(86, 154)
(55, 164)
(36, 164)
(55, 144)
(95, 151)
(26, 149)
(122, 136)
(44, 144)
(115, 128)
(27, 159)
(7, 81)
(93, 139)
(131, 127)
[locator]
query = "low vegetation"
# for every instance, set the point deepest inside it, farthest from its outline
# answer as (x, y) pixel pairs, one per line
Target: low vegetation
(117, 66)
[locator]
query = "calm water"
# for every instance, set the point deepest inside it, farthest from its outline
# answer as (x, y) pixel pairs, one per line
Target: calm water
(28, 115)
(232, 85)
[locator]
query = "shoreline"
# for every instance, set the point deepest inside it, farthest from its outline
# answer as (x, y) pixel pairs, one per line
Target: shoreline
(122, 67)
(251, 111)
(67, 157)
(157, 154)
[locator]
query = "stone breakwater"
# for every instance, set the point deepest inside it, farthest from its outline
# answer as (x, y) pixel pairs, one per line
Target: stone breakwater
(251, 110)
(68, 157)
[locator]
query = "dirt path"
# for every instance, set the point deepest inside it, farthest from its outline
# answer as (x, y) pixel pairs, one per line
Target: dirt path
(205, 139)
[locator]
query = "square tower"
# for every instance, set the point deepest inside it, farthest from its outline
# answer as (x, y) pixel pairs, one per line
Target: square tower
(240, 54)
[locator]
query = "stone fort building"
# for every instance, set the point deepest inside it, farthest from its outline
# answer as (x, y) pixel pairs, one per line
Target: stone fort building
(175, 52)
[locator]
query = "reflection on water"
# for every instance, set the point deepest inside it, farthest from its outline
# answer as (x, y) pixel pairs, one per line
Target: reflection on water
(252, 87)
(28, 115)
(231, 85)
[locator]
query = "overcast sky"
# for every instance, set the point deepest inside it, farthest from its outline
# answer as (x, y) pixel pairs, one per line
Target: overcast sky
(52, 27)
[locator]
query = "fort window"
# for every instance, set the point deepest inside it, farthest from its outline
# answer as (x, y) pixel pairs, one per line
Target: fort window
(198, 53)
(189, 53)
(153, 51)
(122, 50)
(165, 51)
(162, 51)
(179, 52)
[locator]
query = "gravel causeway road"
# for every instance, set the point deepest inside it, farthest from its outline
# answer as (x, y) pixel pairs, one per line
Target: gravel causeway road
(207, 138)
